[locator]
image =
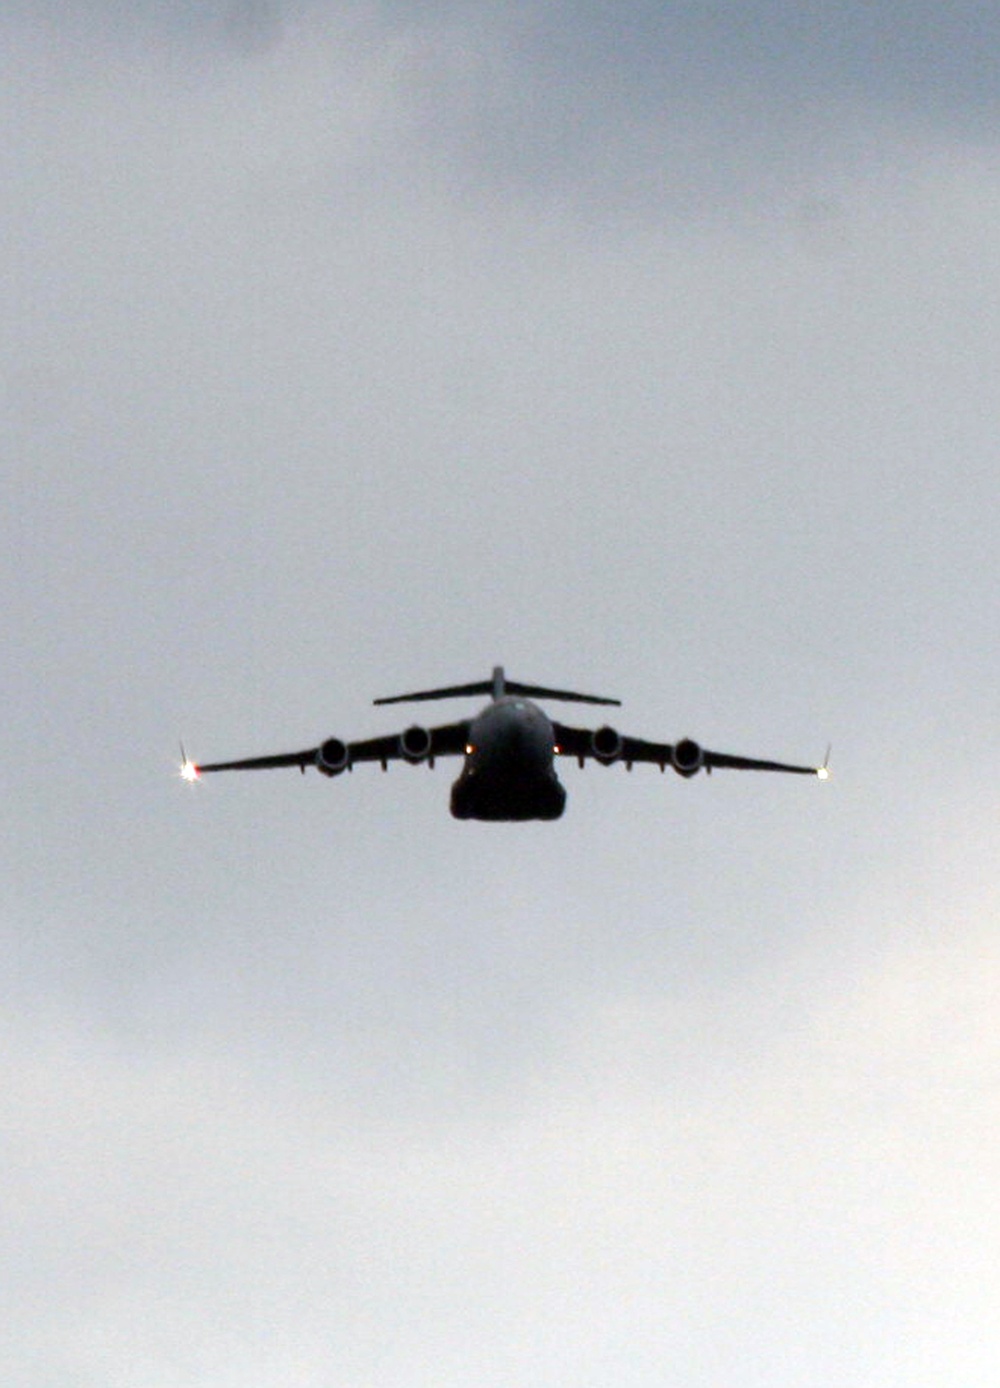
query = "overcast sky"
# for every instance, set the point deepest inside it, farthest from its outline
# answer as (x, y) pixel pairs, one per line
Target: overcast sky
(352, 349)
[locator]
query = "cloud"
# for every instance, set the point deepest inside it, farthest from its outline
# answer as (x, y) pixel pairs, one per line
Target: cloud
(673, 1181)
(370, 355)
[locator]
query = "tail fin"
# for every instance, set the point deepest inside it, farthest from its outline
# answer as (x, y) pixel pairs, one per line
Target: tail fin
(497, 686)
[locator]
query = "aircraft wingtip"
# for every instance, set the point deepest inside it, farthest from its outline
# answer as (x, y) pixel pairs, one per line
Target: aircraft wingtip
(188, 769)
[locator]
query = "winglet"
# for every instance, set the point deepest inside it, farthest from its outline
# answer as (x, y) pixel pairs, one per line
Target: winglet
(823, 772)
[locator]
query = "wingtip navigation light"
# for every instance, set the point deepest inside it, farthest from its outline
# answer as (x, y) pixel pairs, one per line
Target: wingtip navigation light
(188, 769)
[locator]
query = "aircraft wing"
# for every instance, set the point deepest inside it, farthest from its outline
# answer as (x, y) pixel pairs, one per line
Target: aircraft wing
(713, 759)
(302, 759)
(334, 756)
(449, 740)
(686, 757)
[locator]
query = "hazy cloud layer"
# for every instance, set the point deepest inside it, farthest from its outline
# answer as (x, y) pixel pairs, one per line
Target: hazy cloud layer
(349, 352)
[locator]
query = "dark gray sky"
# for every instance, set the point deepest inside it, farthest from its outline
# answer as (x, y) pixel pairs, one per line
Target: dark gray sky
(356, 349)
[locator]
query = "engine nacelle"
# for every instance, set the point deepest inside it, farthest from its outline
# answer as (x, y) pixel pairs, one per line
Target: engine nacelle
(606, 745)
(415, 744)
(333, 757)
(688, 758)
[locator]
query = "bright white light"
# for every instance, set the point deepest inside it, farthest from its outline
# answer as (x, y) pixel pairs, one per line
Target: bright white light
(823, 772)
(189, 772)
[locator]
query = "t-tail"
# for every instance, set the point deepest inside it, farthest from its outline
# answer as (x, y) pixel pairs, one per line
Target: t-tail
(497, 686)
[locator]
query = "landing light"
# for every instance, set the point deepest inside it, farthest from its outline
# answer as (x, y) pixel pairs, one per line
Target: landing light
(469, 749)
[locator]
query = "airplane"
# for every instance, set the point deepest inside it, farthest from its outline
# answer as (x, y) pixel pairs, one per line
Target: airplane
(509, 749)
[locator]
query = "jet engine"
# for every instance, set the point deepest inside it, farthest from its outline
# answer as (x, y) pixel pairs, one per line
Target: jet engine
(333, 757)
(606, 745)
(688, 758)
(415, 744)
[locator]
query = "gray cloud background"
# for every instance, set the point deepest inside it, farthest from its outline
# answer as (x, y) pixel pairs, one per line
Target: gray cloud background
(351, 352)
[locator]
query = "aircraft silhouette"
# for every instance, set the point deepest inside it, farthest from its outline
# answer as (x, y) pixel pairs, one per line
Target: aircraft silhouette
(509, 748)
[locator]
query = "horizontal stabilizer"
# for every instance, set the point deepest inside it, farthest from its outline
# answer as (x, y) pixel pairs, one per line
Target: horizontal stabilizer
(535, 691)
(455, 691)
(498, 686)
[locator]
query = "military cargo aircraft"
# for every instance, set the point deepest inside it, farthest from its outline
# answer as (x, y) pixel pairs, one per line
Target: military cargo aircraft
(509, 750)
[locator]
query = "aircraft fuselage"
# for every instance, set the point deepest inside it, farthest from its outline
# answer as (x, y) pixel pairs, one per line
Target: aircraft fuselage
(508, 773)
